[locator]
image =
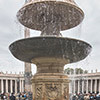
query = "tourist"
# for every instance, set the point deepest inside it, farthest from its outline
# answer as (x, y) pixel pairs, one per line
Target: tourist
(7, 96)
(17, 97)
(25, 96)
(12, 97)
(86, 97)
(75, 97)
(3, 96)
(20, 96)
(97, 97)
(29, 96)
(92, 97)
(80, 96)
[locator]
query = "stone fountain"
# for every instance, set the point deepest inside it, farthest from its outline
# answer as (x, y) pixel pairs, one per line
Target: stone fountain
(50, 51)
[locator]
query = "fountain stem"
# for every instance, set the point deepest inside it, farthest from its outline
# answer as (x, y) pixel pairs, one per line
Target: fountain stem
(51, 29)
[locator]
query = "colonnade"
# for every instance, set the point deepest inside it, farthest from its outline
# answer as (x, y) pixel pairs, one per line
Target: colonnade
(85, 85)
(12, 85)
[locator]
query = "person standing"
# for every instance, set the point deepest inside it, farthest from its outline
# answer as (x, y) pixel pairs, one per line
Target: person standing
(74, 97)
(2, 96)
(12, 97)
(92, 97)
(86, 97)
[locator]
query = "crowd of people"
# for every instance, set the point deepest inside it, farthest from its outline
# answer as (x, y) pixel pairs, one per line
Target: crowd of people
(18, 96)
(28, 96)
(89, 96)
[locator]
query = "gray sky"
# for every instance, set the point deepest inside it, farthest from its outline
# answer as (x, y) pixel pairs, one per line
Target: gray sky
(11, 30)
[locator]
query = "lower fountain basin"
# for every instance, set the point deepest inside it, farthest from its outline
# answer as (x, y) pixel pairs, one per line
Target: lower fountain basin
(71, 50)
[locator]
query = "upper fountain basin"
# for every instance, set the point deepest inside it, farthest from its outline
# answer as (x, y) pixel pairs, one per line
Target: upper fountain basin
(71, 50)
(62, 14)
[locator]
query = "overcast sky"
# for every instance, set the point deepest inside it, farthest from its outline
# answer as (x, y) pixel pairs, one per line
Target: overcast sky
(11, 30)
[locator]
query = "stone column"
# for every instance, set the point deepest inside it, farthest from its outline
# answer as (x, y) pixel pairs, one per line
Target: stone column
(87, 86)
(99, 85)
(83, 86)
(70, 88)
(20, 86)
(74, 86)
(78, 86)
(15, 86)
(95, 85)
(2, 87)
(91, 85)
(11, 86)
(6, 85)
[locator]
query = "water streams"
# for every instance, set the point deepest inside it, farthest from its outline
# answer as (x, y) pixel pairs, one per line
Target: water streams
(50, 51)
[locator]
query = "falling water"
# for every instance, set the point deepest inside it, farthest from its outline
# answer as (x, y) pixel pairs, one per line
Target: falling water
(74, 32)
(51, 17)
(19, 27)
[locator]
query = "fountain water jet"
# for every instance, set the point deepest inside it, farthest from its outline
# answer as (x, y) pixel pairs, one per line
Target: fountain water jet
(50, 52)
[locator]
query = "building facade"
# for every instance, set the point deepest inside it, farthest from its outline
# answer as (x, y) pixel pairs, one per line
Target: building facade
(12, 83)
(15, 83)
(87, 83)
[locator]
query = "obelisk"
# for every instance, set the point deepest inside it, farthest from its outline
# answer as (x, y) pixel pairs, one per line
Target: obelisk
(27, 67)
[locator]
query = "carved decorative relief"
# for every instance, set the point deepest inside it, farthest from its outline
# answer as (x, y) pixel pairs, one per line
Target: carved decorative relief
(66, 91)
(38, 92)
(52, 91)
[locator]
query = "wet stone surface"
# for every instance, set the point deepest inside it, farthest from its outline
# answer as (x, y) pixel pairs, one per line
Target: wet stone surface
(54, 47)
(60, 14)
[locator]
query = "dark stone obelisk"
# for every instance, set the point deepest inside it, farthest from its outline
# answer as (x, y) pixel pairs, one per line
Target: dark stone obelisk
(27, 67)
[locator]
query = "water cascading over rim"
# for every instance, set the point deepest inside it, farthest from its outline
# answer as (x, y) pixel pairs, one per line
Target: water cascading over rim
(50, 16)
(50, 52)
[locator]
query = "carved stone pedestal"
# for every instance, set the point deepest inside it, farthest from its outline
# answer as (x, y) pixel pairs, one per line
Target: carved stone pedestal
(50, 83)
(50, 86)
